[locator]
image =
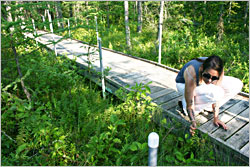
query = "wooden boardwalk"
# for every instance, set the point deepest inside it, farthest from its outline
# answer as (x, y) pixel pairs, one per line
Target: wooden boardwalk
(127, 70)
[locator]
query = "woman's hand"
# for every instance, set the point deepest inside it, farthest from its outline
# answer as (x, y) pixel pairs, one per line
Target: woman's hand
(192, 128)
(192, 119)
(218, 123)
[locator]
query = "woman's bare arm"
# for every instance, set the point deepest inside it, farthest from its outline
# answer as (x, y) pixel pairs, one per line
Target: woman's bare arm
(190, 85)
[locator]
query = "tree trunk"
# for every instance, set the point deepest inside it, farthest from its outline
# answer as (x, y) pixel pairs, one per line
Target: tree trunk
(59, 13)
(229, 12)
(70, 10)
(220, 25)
(160, 30)
(3, 12)
(246, 12)
(9, 15)
(107, 4)
(87, 19)
(28, 95)
(127, 25)
(139, 27)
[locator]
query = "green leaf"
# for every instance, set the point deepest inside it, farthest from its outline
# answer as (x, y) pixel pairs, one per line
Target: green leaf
(180, 139)
(113, 118)
(118, 162)
(179, 156)
(21, 148)
(192, 155)
(56, 146)
(116, 140)
(120, 122)
(133, 147)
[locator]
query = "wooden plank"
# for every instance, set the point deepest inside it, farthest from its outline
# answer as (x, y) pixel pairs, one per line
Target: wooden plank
(161, 93)
(230, 102)
(244, 115)
(131, 75)
(233, 125)
(245, 150)
(226, 116)
(240, 138)
(167, 97)
(155, 87)
(171, 104)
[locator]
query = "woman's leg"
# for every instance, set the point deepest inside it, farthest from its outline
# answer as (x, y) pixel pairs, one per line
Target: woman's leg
(231, 86)
(181, 89)
(206, 95)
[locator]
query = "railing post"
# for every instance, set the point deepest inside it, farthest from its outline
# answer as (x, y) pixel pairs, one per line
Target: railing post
(51, 29)
(101, 67)
(69, 27)
(153, 143)
(34, 27)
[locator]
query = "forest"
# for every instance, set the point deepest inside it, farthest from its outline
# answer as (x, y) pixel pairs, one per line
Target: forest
(51, 115)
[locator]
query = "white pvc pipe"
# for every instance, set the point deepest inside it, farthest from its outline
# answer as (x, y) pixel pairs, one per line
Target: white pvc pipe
(96, 29)
(101, 67)
(44, 22)
(69, 27)
(51, 29)
(34, 27)
(153, 143)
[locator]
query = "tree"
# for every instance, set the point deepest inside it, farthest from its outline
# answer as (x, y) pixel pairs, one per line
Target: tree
(160, 29)
(139, 27)
(107, 4)
(127, 25)
(220, 25)
(59, 13)
(245, 17)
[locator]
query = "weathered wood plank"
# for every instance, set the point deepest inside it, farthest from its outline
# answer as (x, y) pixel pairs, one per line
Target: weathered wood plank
(240, 138)
(155, 87)
(245, 150)
(244, 115)
(233, 126)
(227, 115)
(161, 93)
(167, 97)
(171, 103)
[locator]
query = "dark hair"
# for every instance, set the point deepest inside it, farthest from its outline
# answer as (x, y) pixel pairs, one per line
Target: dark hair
(213, 62)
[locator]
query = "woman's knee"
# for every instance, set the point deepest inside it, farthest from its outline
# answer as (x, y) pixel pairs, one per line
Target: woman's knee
(232, 85)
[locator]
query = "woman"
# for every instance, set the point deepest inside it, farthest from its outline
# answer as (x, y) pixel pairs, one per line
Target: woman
(204, 86)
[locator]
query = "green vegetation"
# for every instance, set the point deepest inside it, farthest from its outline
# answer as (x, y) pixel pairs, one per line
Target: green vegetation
(66, 121)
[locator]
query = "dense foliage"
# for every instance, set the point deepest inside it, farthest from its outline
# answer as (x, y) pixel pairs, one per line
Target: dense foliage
(66, 121)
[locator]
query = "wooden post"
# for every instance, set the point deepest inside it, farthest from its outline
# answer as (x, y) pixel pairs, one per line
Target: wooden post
(34, 27)
(160, 30)
(51, 29)
(101, 67)
(69, 27)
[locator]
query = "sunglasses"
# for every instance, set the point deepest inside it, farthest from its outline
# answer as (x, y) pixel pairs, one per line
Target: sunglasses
(208, 76)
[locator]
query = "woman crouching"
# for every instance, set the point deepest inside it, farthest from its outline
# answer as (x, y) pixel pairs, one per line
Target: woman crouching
(203, 85)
